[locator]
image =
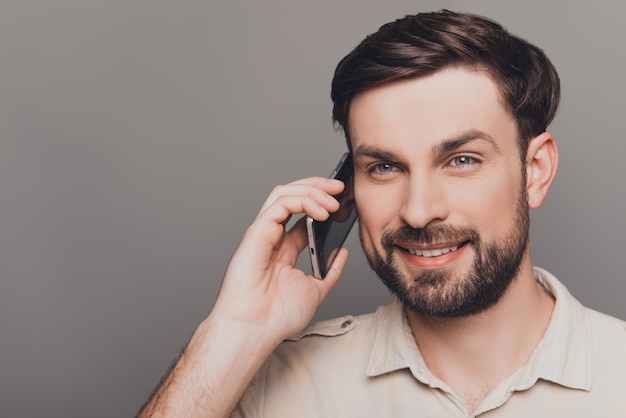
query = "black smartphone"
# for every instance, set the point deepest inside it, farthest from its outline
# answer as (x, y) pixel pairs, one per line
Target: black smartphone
(327, 237)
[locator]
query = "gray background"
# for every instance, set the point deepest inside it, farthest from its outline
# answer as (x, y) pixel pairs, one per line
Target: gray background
(139, 138)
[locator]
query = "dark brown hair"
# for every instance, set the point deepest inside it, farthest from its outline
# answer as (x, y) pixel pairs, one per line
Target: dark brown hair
(422, 44)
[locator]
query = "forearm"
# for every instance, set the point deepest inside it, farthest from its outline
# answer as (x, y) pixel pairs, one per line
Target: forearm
(213, 372)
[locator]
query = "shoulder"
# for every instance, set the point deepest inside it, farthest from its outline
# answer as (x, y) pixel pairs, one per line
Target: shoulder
(606, 334)
(307, 370)
(343, 342)
(608, 347)
(336, 327)
(605, 327)
(349, 332)
(330, 328)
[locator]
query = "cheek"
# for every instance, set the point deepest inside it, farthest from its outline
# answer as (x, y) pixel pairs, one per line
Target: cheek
(492, 203)
(378, 208)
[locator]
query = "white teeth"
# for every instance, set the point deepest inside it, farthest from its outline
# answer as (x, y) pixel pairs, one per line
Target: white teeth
(434, 253)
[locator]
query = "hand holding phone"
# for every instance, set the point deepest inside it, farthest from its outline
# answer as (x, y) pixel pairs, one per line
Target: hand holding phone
(326, 238)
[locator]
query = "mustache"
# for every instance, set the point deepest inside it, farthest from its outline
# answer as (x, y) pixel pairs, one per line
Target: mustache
(407, 236)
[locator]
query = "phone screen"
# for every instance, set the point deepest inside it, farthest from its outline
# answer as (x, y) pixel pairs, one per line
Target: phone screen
(327, 237)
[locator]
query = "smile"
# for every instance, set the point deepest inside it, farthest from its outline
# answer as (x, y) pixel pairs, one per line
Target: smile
(434, 252)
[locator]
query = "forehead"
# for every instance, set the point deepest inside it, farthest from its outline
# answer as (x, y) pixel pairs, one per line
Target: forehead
(430, 109)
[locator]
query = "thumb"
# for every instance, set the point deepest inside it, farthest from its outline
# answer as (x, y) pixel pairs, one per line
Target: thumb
(334, 273)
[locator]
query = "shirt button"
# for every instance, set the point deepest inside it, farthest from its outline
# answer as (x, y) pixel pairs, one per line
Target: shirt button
(346, 323)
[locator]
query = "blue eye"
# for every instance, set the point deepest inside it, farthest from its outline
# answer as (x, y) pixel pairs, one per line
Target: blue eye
(382, 168)
(462, 161)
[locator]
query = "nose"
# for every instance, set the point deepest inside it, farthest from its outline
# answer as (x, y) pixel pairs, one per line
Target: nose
(425, 201)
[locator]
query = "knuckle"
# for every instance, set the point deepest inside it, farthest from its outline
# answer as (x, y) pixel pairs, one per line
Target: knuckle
(277, 190)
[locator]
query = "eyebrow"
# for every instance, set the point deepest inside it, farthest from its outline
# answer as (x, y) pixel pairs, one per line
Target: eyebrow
(373, 152)
(451, 144)
(445, 146)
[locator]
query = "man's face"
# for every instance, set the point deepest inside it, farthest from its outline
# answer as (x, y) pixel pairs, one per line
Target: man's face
(440, 190)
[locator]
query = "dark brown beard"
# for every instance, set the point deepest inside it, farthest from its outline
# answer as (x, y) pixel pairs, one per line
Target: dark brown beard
(434, 292)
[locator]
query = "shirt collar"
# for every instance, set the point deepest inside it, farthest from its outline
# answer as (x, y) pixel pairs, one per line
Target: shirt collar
(563, 356)
(394, 346)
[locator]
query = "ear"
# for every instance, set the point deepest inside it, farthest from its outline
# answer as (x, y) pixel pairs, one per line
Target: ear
(542, 159)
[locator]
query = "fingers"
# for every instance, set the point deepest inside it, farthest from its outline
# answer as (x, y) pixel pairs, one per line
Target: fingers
(330, 186)
(285, 206)
(262, 283)
(312, 196)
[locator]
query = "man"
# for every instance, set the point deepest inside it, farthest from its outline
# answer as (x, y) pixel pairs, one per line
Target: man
(446, 116)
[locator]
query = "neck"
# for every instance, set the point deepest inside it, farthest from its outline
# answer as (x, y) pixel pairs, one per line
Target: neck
(473, 354)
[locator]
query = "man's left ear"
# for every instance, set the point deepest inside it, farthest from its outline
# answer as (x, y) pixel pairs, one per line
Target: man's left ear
(542, 159)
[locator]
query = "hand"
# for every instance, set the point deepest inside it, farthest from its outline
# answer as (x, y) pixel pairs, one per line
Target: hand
(262, 288)
(263, 299)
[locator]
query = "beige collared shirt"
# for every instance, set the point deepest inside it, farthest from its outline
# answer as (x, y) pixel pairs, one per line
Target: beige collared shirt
(370, 366)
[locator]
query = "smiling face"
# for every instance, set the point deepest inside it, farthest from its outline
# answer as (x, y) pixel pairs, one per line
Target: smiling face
(440, 190)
